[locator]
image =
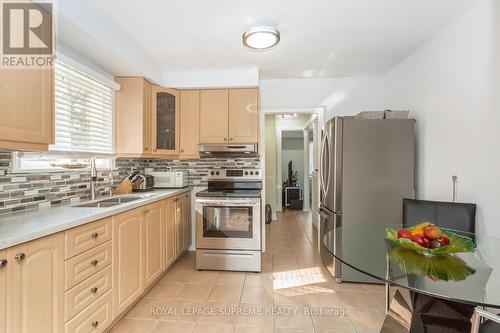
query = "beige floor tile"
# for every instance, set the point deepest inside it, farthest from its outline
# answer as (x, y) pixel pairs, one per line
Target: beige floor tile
(253, 329)
(183, 310)
(379, 299)
(257, 295)
(134, 326)
(374, 288)
(291, 296)
(255, 315)
(230, 279)
(293, 330)
(293, 317)
(165, 289)
(367, 320)
(212, 328)
(195, 292)
(178, 275)
(219, 313)
(204, 277)
(357, 299)
(332, 319)
(144, 309)
(348, 286)
(174, 327)
(225, 293)
(259, 279)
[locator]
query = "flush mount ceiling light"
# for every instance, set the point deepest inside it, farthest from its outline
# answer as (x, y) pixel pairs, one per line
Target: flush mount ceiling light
(261, 38)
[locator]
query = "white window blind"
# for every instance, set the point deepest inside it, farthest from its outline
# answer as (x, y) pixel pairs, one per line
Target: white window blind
(84, 112)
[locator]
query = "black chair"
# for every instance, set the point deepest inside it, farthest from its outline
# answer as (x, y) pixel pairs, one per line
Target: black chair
(451, 215)
(429, 311)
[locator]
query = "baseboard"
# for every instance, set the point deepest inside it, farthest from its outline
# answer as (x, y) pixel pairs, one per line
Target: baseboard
(275, 216)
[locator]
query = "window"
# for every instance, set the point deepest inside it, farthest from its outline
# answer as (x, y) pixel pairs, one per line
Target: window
(84, 122)
(84, 108)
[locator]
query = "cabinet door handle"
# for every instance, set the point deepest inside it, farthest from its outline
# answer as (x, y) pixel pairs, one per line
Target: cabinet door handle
(94, 262)
(94, 323)
(3, 263)
(182, 150)
(146, 148)
(225, 139)
(93, 290)
(231, 139)
(94, 235)
(20, 256)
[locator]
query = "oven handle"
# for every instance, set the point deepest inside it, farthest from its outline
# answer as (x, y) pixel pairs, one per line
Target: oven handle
(227, 203)
(227, 254)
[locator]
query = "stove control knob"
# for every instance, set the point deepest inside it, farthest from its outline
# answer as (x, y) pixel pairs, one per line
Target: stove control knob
(246, 173)
(251, 173)
(216, 173)
(212, 173)
(256, 173)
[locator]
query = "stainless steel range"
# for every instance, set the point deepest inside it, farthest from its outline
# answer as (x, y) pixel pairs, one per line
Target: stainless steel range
(228, 221)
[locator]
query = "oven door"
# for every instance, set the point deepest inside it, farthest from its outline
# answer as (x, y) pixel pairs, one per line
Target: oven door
(228, 223)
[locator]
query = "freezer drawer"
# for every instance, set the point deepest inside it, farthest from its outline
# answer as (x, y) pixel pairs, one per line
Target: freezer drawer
(229, 260)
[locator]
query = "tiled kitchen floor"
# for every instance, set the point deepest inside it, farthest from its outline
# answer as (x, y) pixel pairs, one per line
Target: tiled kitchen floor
(293, 294)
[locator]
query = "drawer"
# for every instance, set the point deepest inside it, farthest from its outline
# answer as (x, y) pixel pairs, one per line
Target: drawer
(85, 237)
(95, 318)
(78, 297)
(86, 264)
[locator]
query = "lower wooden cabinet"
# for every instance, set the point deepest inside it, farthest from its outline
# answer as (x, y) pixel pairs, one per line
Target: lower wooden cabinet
(3, 289)
(95, 318)
(35, 280)
(127, 258)
(186, 218)
(169, 252)
(153, 242)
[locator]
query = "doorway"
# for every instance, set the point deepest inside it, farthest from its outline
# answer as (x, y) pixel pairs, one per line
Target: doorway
(291, 161)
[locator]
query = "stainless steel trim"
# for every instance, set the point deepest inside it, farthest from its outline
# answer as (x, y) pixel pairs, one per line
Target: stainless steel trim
(248, 261)
(227, 254)
(228, 149)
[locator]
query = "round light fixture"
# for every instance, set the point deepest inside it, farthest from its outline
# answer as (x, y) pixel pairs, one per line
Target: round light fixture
(261, 38)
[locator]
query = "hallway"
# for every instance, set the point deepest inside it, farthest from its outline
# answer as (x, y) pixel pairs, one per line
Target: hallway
(294, 293)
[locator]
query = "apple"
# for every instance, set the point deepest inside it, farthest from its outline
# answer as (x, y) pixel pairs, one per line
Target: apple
(444, 240)
(420, 240)
(403, 233)
(433, 232)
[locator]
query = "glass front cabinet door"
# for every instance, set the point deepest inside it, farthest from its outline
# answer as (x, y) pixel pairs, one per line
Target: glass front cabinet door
(165, 121)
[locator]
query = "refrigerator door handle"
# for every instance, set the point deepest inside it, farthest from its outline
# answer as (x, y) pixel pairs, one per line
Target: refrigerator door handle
(321, 168)
(323, 213)
(327, 146)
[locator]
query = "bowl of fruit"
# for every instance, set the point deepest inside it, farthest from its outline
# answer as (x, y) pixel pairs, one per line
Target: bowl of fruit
(427, 238)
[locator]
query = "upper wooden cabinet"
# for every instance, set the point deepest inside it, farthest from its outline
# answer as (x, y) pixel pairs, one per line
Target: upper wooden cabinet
(214, 116)
(133, 117)
(190, 123)
(165, 121)
(229, 116)
(35, 293)
(27, 109)
(243, 116)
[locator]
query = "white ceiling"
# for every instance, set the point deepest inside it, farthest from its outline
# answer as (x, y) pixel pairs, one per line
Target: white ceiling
(320, 38)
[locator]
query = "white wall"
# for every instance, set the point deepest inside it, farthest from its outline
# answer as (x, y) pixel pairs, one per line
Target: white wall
(452, 87)
(341, 96)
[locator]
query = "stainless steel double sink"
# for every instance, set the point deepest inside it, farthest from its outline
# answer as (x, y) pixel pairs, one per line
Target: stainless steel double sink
(111, 201)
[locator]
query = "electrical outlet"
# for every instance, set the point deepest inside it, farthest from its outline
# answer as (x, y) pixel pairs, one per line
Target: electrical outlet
(454, 179)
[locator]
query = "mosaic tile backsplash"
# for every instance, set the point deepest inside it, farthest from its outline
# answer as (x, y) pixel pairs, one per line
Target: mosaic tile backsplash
(26, 191)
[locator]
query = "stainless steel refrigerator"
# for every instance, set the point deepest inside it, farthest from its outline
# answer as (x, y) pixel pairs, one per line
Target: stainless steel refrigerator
(366, 169)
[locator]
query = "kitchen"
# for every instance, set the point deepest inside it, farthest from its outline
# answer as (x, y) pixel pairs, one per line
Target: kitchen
(139, 185)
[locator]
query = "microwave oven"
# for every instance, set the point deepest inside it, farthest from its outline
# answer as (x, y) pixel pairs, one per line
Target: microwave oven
(170, 179)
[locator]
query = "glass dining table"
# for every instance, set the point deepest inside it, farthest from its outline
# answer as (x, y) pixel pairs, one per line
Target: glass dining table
(433, 293)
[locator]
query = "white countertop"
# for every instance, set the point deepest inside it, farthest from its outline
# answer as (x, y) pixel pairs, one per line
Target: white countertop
(19, 228)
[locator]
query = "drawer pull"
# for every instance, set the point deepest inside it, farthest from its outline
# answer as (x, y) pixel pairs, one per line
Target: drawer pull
(94, 323)
(3, 263)
(94, 235)
(20, 256)
(94, 262)
(93, 290)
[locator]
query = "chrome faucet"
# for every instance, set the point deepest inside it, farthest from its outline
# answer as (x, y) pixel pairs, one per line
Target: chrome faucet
(93, 179)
